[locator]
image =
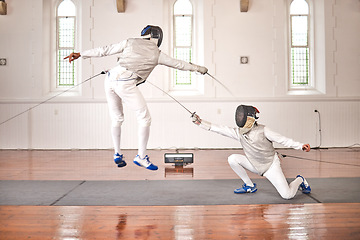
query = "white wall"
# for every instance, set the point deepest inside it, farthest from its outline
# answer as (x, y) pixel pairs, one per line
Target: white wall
(227, 34)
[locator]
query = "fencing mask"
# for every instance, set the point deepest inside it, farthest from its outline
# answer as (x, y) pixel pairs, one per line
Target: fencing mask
(245, 116)
(154, 32)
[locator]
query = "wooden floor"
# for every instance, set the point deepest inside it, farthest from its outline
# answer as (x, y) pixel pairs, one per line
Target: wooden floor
(277, 221)
(208, 164)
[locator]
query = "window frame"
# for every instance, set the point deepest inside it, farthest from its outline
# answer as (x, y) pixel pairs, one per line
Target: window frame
(54, 57)
(306, 46)
(310, 85)
(58, 48)
(196, 87)
(175, 46)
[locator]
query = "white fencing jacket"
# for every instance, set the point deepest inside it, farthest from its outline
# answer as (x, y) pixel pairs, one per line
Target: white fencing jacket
(257, 143)
(137, 56)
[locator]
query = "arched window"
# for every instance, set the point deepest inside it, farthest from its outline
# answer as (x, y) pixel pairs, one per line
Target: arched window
(300, 45)
(183, 40)
(65, 43)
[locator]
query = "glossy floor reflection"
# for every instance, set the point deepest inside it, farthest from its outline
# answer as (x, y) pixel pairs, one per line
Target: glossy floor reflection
(278, 221)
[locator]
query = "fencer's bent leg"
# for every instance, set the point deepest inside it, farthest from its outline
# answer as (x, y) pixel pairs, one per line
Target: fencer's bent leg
(276, 176)
(239, 163)
(133, 98)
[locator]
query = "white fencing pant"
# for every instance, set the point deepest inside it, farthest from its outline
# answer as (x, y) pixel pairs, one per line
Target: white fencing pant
(118, 92)
(274, 174)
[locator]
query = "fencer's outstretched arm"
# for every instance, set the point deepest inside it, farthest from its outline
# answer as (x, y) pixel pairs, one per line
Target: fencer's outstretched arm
(222, 130)
(105, 50)
(285, 141)
(179, 64)
(98, 52)
(236, 132)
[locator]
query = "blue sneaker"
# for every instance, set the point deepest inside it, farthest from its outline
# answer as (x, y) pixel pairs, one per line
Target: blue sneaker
(246, 189)
(144, 162)
(118, 159)
(304, 186)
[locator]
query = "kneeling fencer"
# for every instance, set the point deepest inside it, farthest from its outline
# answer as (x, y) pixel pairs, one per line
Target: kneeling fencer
(136, 60)
(260, 156)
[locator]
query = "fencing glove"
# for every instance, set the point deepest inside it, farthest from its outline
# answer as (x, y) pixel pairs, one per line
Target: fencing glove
(200, 69)
(200, 122)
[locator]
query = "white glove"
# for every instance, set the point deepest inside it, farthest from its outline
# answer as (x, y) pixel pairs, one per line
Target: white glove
(201, 123)
(202, 70)
(195, 119)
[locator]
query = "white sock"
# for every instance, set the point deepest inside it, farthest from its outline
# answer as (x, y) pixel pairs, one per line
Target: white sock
(143, 138)
(143, 162)
(116, 137)
(305, 183)
(241, 172)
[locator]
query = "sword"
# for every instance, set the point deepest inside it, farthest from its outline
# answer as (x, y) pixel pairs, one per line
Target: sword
(192, 113)
(103, 72)
(220, 83)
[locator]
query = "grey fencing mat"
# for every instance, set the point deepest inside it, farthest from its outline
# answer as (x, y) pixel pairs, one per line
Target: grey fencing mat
(169, 192)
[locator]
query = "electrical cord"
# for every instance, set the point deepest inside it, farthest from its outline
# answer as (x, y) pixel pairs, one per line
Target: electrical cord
(103, 72)
(320, 137)
(314, 160)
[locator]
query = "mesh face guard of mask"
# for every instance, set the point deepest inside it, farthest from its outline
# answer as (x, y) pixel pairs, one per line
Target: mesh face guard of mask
(154, 32)
(245, 116)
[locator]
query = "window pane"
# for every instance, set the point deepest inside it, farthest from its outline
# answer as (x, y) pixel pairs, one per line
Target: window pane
(183, 39)
(300, 65)
(182, 7)
(183, 31)
(299, 30)
(66, 8)
(299, 7)
(65, 42)
(66, 71)
(66, 32)
(182, 77)
(183, 54)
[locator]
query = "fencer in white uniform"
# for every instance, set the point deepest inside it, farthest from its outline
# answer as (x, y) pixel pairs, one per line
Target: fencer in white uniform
(260, 156)
(137, 57)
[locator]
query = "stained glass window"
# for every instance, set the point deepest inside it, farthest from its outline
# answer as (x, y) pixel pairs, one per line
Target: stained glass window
(300, 51)
(66, 22)
(183, 34)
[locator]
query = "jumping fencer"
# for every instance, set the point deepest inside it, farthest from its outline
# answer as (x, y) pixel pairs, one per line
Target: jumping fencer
(260, 156)
(136, 60)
